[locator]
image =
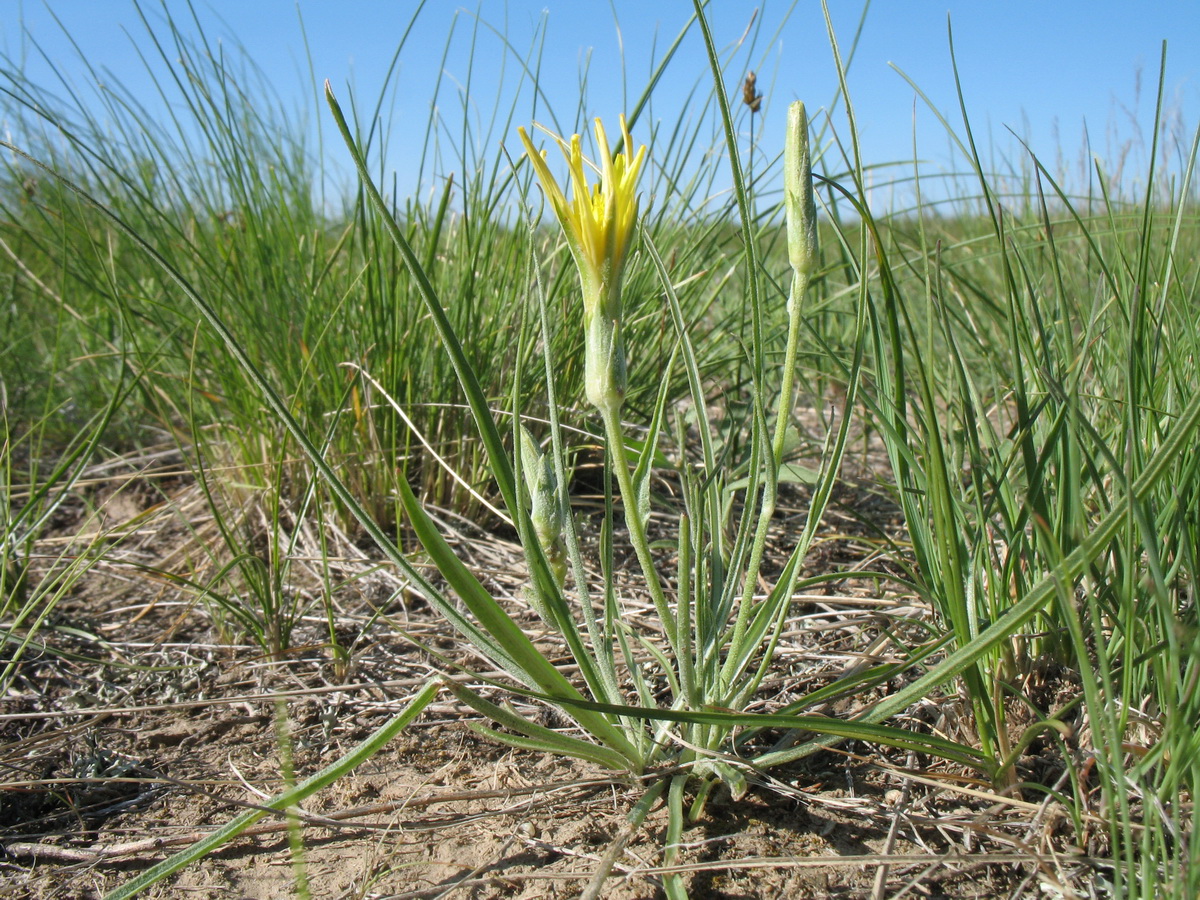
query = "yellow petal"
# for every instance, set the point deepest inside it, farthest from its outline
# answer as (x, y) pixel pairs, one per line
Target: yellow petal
(553, 192)
(599, 218)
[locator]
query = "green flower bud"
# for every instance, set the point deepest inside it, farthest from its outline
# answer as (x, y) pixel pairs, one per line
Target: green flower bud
(798, 194)
(545, 512)
(604, 378)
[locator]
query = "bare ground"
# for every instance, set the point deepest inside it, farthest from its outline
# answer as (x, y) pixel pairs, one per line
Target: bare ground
(143, 723)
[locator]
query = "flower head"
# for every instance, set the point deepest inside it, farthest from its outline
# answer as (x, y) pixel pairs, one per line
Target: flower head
(598, 222)
(598, 219)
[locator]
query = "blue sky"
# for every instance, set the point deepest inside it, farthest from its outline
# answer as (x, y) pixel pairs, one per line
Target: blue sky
(1042, 69)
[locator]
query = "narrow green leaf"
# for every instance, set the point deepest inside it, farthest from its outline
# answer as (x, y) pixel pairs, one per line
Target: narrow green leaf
(331, 773)
(502, 631)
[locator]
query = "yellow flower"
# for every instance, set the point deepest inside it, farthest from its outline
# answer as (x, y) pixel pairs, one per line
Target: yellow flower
(598, 219)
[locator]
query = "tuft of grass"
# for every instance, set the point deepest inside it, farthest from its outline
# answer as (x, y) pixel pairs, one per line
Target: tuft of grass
(230, 192)
(1036, 396)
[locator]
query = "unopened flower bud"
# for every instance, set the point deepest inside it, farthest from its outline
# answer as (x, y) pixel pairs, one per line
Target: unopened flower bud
(798, 194)
(545, 512)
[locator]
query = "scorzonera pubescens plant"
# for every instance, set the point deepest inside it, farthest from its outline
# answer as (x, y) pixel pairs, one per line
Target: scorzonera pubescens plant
(1037, 407)
(694, 673)
(661, 703)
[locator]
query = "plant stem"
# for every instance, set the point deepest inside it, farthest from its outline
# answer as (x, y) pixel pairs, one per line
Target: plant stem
(770, 488)
(633, 521)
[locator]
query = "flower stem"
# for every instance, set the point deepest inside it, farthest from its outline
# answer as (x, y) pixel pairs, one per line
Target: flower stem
(770, 486)
(634, 523)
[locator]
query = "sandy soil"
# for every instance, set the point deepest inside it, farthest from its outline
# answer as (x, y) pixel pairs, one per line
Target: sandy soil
(144, 723)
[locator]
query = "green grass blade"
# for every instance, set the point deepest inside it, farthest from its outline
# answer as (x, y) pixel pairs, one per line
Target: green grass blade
(547, 739)
(331, 773)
